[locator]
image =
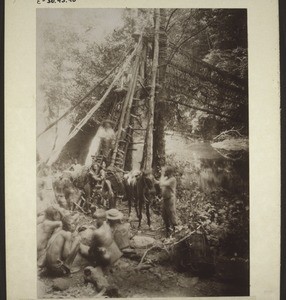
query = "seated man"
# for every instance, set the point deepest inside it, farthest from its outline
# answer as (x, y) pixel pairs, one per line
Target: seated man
(86, 231)
(46, 225)
(103, 250)
(62, 249)
(94, 183)
(121, 231)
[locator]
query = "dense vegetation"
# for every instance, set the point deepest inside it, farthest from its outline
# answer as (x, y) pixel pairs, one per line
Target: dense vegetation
(71, 62)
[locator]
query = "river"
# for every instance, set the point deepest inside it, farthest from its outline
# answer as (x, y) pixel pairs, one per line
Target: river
(201, 163)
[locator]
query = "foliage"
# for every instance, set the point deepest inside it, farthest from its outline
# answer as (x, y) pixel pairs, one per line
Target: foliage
(218, 37)
(233, 61)
(203, 30)
(223, 215)
(70, 63)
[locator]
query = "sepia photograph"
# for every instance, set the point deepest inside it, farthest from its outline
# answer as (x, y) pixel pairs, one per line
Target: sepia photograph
(142, 152)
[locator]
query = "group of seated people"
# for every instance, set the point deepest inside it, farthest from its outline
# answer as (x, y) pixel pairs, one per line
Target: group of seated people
(60, 239)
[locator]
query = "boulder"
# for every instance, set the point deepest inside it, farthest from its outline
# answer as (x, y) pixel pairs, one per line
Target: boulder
(142, 242)
(61, 284)
(96, 277)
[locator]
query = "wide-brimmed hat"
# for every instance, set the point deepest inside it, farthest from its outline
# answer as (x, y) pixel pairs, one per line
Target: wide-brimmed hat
(114, 214)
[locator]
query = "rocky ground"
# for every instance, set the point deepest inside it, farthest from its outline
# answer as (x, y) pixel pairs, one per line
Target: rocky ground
(156, 277)
(158, 281)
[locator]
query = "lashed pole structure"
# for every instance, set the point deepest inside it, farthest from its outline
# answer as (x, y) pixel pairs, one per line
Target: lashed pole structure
(125, 114)
(96, 106)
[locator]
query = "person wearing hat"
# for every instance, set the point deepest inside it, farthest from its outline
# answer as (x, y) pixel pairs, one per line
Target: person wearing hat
(102, 250)
(120, 231)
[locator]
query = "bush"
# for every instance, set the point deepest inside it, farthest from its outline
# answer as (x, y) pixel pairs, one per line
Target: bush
(223, 216)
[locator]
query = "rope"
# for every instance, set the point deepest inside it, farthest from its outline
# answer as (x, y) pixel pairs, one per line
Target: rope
(86, 96)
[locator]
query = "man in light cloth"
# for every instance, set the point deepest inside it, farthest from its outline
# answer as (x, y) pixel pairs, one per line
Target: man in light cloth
(107, 140)
(121, 231)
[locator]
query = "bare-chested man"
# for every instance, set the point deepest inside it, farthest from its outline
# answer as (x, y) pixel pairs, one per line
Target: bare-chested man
(62, 249)
(168, 185)
(102, 250)
(46, 225)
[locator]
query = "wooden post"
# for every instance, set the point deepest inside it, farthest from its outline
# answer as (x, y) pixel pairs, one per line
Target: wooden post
(147, 165)
(160, 111)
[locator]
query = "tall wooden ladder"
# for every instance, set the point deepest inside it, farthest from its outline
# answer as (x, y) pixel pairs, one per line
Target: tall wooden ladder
(125, 130)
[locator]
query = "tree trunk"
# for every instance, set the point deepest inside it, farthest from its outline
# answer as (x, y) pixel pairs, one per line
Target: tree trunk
(147, 160)
(159, 158)
(134, 110)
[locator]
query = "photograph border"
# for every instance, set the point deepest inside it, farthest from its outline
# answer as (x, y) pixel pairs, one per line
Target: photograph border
(20, 156)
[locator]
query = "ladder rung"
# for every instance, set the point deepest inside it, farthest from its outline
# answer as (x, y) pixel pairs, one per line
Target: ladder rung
(119, 169)
(134, 116)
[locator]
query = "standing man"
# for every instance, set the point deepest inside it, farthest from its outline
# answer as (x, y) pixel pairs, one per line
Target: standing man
(107, 140)
(168, 185)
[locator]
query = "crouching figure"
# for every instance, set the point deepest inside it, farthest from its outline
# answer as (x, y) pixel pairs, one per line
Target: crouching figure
(61, 250)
